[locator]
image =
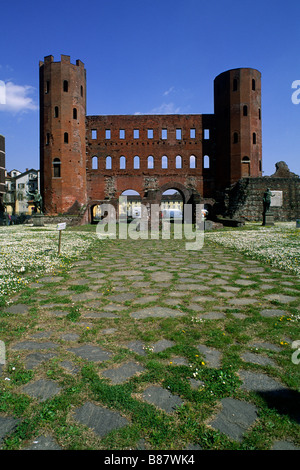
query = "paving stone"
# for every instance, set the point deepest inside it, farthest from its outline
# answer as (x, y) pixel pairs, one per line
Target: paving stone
(203, 298)
(114, 307)
(35, 359)
(120, 374)
(42, 389)
(58, 313)
(179, 361)
(69, 366)
(34, 345)
(17, 309)
(161, 345)
(243, 301)
(160, 276)
(244, 282)
(145, 300)
(48, 279)
(44, 443)
(100, 315)
(284, 445)
(86, 296)
(212, 316)
(235, 418)
(109, 331)
(91, 353)
(122, 297)
(284, 299)
(99, 419)
(156, 312)
(272, 312)
(8, 424)
(212, 356)
(265, 345)
(276, 395)
(137, 347)
(162, 398)
(70, 337)
(193, 287)
(258, 359)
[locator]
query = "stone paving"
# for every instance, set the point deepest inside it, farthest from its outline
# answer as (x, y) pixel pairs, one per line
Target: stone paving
(131, 287)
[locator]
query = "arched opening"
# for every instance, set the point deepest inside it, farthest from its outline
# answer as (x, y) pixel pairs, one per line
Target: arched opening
(136, 163)
(172, 205)
(150, 162)
(206, 162)
(192, 161)
(56, 168)
(164, 162)
(95, 163)
(122, 163)
(108, 163)
(245, 167)
(178, 162)
(130, 203)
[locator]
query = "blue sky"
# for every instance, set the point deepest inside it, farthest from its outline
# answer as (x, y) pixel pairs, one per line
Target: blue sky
(152, 56)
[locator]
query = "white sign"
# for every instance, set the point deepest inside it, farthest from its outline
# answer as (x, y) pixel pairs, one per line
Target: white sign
(61, 226)
(276, 199)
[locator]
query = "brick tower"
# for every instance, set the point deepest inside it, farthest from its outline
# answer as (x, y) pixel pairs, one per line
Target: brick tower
(62, 135)
(237, 109)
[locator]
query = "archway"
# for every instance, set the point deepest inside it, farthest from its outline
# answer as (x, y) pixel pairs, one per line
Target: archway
(172, 202)
(130, 205)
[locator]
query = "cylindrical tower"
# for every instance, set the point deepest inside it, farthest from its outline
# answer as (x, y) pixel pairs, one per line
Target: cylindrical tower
(237, 108)
(62, 135)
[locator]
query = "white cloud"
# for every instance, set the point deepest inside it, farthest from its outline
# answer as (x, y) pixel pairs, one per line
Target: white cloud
(164, 108)
(17, 98)
(166, 93)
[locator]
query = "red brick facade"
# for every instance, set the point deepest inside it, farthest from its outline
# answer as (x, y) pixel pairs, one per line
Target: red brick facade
(85, 160)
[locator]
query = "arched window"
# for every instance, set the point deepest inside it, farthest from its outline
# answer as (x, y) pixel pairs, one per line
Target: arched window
(108, 163)
(47, 138)
(66, 138)
(56, 112)
(254, 137)
(74, 113)
(206, 162)
(95, 163)
(192, 161)
(164, 162)
(178, 162)
(56, 168)
(245, 110)
(65, 85)
(235, 137)
(81, 90)
(259, 114)
(235, 84)
(253, 84)
(150, 162)
(136, 162)
(122, 163)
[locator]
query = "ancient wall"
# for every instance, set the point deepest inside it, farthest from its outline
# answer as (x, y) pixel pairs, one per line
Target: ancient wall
(147, 152)
(244, 200)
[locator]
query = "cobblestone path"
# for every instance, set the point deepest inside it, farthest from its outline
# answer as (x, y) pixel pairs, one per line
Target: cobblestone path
(144, 345)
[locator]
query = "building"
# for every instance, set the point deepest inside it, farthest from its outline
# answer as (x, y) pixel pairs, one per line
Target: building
(18, 186)
(2, 172)
(86, 160)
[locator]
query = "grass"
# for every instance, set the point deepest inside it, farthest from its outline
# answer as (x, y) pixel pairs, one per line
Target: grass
(190, 424)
